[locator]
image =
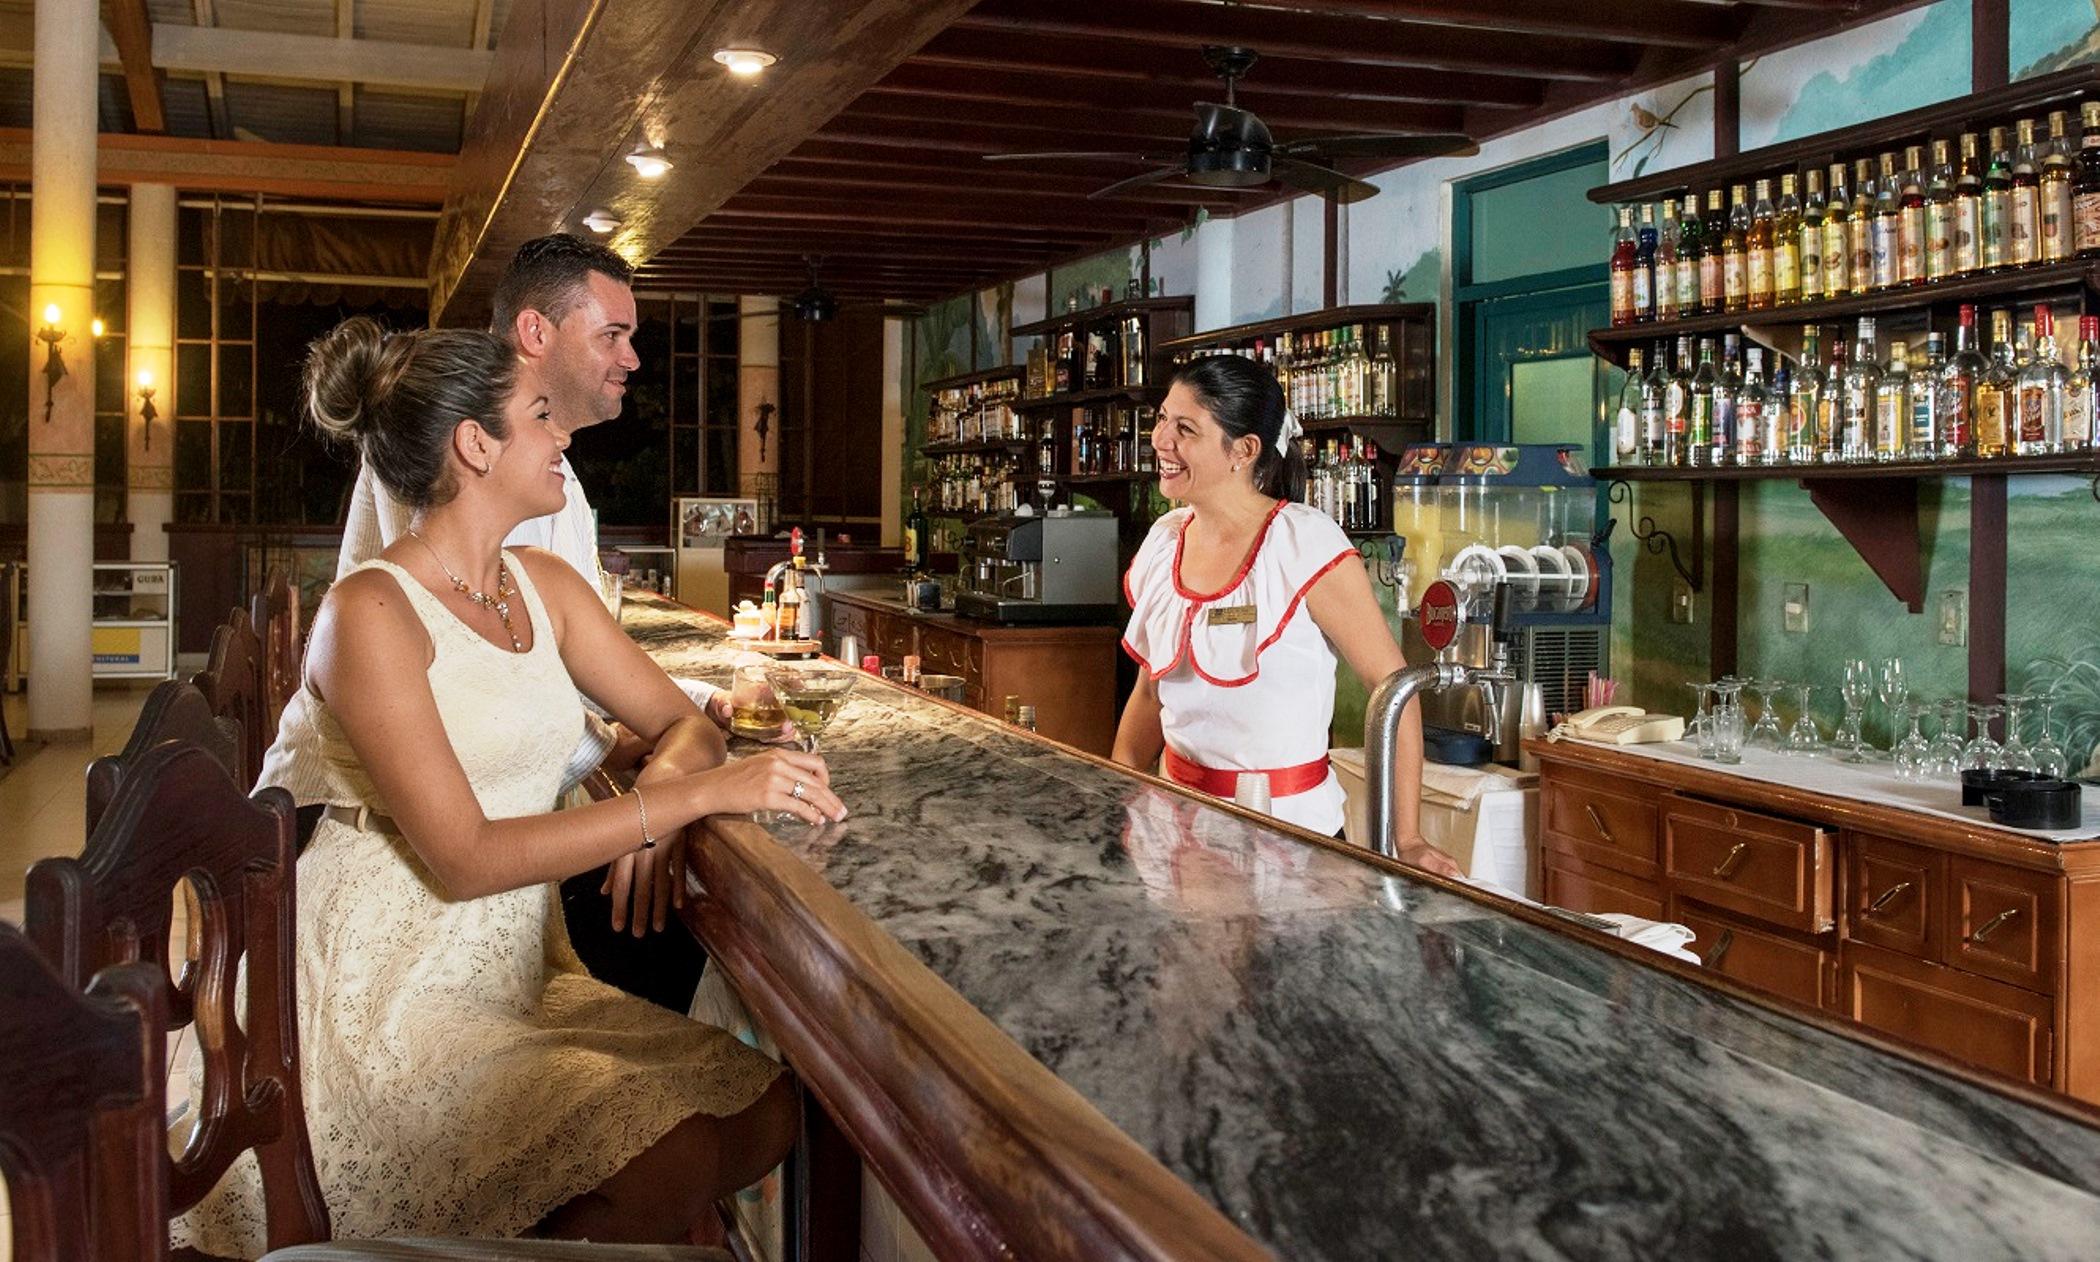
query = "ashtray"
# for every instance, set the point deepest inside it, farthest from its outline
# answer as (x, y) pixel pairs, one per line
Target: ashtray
(2036, 803)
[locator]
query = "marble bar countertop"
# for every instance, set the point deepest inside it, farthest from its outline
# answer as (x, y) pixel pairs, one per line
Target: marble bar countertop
(1352, 1065)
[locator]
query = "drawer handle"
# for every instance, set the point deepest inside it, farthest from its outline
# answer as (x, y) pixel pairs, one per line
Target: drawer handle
(1597, 822)
(1720, 950)
(1726, 867)
(1886, 897)
(1991, 926)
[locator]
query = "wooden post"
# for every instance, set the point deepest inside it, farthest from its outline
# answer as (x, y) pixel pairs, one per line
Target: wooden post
(1990, 57)
(1723, 608)
(1990, 44)
(1330, 281)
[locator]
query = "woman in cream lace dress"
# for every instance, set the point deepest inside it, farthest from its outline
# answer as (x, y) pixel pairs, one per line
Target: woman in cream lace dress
(462, 1074)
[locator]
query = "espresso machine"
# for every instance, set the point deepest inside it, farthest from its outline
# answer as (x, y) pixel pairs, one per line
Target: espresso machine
(1023, 567)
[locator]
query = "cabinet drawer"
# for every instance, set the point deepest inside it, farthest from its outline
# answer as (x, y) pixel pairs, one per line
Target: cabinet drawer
(1805, 972)
(2001, 922)
(1775, 870)
(1976, 1021)
(1609, 823)
(894, 638)
(847, 620)
(1893, 893)
(1582, 887)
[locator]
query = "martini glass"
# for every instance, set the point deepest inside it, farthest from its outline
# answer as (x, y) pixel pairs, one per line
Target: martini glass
(812, 697)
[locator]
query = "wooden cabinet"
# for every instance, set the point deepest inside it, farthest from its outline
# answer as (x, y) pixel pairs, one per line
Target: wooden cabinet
(1960, 938)
(1067, 673)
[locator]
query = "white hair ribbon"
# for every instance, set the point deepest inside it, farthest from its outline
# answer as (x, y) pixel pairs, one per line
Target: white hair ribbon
(1289, 430)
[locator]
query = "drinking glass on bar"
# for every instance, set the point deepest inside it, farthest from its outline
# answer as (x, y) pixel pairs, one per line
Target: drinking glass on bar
(1894, 689)
(1858, 690)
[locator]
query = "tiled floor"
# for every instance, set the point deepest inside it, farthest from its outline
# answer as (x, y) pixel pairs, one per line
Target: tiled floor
(43, 811)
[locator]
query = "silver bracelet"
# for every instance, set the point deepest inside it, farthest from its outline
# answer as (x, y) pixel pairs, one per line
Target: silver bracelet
(648, 842)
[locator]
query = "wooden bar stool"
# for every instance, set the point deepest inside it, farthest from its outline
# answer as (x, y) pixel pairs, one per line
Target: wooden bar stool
(233, 684)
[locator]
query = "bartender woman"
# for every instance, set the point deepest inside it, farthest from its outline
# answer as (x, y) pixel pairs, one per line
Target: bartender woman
(1241, 601)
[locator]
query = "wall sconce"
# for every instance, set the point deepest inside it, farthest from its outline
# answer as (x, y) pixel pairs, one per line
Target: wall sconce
(95, 326)
(54, 363)
(146, 409)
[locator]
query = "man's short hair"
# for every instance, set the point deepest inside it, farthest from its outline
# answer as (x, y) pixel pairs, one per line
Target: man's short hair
(548, 275)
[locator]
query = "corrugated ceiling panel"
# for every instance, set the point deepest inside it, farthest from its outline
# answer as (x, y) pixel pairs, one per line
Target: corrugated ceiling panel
(17, 90)
(187, 107)
(291, 17)
(447, 23)
(393, 121)
(296, 116)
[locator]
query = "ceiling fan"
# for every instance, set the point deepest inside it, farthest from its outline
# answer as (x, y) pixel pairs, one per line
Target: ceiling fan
(1230, 148)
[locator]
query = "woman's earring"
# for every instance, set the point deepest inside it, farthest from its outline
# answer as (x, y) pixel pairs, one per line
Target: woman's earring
(483, 471)
(1236, 468)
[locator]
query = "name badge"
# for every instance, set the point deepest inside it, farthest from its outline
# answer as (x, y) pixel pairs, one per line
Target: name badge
(1230, 615)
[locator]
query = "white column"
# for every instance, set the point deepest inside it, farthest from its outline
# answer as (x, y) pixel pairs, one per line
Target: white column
(149, 334)
(62, 418)
(1214, 240)
(892, 431)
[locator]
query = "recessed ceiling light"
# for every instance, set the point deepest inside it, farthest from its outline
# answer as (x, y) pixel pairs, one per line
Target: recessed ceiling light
(649, 161)
(744, 61)
(601, 221)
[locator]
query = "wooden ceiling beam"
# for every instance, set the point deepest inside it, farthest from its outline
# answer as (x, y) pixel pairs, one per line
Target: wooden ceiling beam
(346, 90)
(1003, 104)
(1645, 22)
(131, 29)
(1170, 24)
(947, 212)
(1062, 230)
(316, 172)
(991, 180)
(1044, 65)
(726, 224)
(987, 129)
(578, 84)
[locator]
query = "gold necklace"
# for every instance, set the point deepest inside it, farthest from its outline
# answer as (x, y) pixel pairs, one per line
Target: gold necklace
(500, 602)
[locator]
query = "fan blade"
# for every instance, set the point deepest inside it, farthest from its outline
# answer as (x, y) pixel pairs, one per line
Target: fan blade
(1091, 157)
(1330, 184)
(1380, 146)
(1228, 127)
(1137, 181)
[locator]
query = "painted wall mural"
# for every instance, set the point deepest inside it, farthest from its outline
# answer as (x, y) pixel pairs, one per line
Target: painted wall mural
(1396, 251)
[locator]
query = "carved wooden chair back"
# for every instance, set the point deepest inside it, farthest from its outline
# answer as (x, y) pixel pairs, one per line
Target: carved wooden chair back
(175, 815)
(81, 1145)
(274, 615)
(232, 682)
(174, 711)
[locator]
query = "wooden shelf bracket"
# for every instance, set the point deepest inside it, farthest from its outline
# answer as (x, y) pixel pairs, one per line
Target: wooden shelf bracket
(1879, 518)
(1658, 541)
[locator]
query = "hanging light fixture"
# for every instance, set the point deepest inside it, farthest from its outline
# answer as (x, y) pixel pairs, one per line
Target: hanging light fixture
(649, 161)
(814, 303)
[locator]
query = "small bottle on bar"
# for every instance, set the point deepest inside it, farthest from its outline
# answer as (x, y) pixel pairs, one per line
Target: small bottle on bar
(1837, 237)
(1810, 247)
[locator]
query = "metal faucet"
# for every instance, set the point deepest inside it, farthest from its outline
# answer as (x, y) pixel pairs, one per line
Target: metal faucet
(1382, 728)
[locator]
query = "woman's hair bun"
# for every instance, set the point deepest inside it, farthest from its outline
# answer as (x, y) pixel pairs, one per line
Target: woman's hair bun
(345, 373)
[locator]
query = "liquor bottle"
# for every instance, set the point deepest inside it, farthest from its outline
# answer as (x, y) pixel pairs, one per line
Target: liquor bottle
(1720, 444)
(1782, 421)
(1860, 228)
(1994, 394)
(1677, 407)
(1925, 420)
(1699, 430)
(1939, 214)
(2041, 392)
(1968, 209)
(2085, 186)
(1655, 394)
(1735, 253)
(1666, 262)
(1861, 388)
(1892, 406)
(1691, 244)
(1997, 205)
(1806, 403)
(1960, 382)
(1385, 376)
(1910, 219)
(1888, 231)
(1810, 246)
(1711, 230)
(2082, 393)
(1644, 267)
(1626, 430)
(916, 530)
(2024, 235)
(1753, 442)
(1368, 508)
(1786, 245)
(2057, 213)
(1837, 237)
(1830, 408)
(1760, 279)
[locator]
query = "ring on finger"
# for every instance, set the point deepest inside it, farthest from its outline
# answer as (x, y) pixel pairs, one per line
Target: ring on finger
(796, 792)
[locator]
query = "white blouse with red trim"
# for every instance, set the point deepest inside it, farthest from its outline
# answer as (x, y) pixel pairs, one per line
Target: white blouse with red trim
(1243, 691)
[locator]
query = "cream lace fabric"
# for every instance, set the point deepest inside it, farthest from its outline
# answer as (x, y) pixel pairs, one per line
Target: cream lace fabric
(462, 1075)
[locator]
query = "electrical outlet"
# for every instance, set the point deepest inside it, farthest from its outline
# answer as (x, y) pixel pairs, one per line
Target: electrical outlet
(1681, 603)
(1793, 608)
(1954, 617)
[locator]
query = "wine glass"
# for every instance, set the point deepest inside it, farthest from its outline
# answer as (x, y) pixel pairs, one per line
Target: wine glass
(2049, 757)
(1803, 738)
(1765, 734)
(1701, 731)
(1943, 752)
(812, 696)
(1894, 689)
(1726, 722)
(1911, 752)
(1982, 753)
(1857, 691)
(2015, 755)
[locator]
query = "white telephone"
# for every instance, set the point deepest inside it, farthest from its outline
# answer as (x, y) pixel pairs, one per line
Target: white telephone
(1619, 725)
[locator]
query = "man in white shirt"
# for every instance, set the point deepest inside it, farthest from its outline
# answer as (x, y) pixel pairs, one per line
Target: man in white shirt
(566, 304)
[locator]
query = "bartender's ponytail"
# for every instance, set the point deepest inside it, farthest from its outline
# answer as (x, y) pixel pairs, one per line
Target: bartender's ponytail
(1244, 398)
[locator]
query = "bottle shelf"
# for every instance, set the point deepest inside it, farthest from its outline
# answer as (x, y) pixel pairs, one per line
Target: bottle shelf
(982, 447)
(1101, 314)
(1779, 327)
(1083, 479)
(1011, 372)
(1080, 398)
(2081, 463)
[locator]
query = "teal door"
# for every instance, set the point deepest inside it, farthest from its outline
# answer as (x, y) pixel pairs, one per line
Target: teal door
(1533, 376)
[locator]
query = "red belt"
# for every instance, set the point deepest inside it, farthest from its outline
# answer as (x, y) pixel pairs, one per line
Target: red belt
(1283, 781)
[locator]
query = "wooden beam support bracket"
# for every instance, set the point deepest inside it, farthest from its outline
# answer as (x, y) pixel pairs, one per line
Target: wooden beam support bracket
(1879, 518)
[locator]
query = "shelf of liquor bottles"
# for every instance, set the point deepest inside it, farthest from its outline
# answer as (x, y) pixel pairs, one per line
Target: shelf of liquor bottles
(2082, 463)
